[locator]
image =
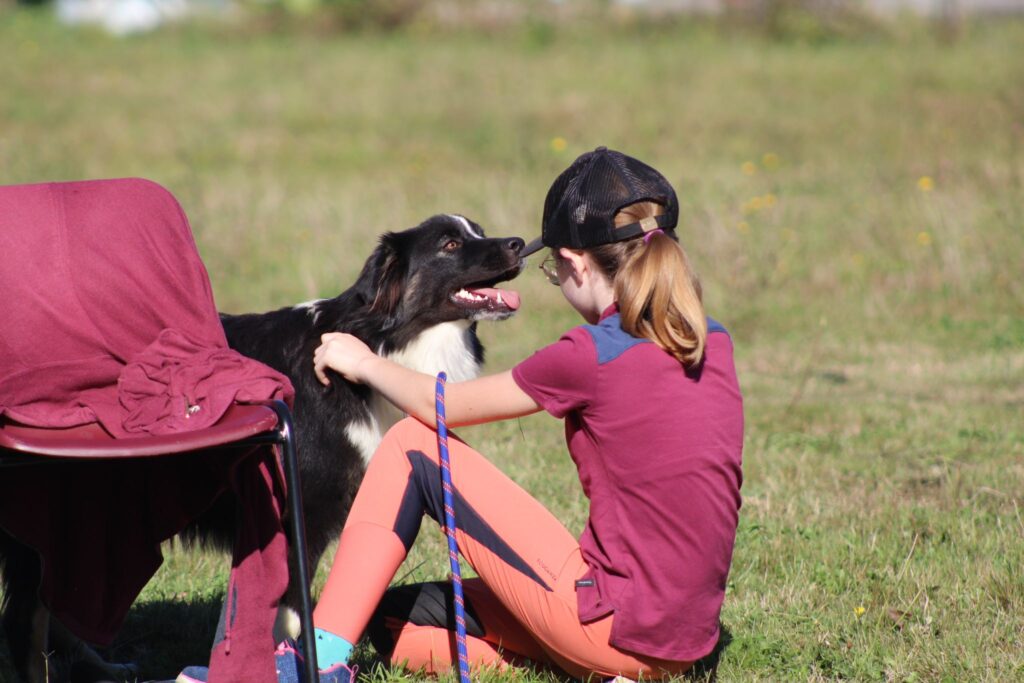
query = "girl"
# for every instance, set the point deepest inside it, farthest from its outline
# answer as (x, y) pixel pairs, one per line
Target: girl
(653, 421)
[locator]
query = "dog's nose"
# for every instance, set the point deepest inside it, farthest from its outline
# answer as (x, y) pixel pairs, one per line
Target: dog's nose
(515, 244)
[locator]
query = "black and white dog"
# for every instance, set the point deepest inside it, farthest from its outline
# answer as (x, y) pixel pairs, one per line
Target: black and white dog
(416, 301)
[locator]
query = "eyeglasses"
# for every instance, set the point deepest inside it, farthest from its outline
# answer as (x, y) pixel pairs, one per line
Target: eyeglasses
(549, 267)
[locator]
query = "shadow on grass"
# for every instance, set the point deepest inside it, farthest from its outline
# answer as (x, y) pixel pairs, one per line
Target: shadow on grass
(164, 636)
(706, 669)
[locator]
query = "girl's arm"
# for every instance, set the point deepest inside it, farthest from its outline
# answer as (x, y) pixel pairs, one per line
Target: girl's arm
(490, 398)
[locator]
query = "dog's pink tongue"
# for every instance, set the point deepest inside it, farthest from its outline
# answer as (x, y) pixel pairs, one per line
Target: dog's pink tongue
(507, 296)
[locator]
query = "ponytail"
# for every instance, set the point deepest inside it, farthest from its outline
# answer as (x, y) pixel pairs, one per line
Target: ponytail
(658, 293)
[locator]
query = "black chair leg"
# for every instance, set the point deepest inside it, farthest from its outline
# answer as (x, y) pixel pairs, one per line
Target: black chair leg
(286, 431)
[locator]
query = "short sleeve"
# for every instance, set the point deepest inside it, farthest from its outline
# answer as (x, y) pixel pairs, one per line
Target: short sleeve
(560, 377)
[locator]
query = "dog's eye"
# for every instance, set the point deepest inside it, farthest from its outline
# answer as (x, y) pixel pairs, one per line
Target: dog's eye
(451, 245)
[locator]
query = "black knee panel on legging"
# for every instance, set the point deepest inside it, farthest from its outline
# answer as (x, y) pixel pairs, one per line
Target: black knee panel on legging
(422, 604)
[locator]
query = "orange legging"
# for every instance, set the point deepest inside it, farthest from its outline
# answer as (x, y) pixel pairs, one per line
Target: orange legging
(528, 563)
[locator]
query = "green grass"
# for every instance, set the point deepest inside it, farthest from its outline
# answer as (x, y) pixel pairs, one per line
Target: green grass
(879, 327)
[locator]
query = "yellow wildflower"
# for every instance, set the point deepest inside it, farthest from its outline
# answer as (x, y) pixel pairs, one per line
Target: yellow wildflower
(748, 168)
(859, 611)
(743, 227)
(925, 183)
(770, 160)
(558, 144)
(924, 239)
(769, 200)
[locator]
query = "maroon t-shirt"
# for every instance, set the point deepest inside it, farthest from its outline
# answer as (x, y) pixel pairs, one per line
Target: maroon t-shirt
(658, 452)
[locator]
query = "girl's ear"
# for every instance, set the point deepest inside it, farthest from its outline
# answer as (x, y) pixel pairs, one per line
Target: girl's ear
(576, 259)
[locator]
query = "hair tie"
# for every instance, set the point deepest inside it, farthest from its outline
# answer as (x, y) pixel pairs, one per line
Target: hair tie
(649, 235)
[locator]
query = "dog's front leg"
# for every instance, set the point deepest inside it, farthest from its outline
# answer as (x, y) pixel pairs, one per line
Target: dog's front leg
(40, 653)
(26, 621)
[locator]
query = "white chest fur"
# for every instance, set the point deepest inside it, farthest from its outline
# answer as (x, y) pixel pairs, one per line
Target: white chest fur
(442, 347)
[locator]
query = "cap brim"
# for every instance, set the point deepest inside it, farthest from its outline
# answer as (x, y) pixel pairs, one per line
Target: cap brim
(532, 248)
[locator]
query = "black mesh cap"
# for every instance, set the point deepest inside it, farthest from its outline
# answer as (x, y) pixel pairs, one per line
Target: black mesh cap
(580, 208)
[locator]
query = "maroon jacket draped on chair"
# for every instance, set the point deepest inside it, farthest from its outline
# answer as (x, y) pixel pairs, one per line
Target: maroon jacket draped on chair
(107, 315)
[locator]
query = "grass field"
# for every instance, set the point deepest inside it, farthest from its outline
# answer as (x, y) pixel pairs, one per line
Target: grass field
(855, 209)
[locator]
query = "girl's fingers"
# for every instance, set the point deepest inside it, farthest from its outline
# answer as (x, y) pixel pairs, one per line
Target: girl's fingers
(318, 365)
(339, 352)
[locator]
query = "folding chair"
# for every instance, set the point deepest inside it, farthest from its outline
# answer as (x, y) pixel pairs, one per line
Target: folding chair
(248, 434)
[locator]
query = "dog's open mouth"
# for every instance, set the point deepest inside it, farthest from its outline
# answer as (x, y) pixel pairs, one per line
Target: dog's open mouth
(489, 299)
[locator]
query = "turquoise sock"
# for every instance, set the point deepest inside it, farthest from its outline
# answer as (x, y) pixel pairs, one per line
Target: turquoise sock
(331, 649)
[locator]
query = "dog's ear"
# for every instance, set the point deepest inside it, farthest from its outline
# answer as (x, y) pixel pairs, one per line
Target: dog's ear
(384, 275)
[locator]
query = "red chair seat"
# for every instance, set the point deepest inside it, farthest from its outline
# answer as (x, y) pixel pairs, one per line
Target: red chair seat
(92, 441)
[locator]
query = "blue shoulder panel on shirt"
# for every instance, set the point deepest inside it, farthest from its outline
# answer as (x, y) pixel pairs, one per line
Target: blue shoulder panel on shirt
(715, 326)
(612, 341)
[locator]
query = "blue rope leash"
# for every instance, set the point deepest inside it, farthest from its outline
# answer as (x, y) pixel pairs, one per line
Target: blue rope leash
(449, 527)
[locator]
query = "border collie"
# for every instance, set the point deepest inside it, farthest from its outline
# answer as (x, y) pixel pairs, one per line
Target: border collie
(417, 302)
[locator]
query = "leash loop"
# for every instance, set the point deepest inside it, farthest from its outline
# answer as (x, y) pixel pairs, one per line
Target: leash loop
(449, 528)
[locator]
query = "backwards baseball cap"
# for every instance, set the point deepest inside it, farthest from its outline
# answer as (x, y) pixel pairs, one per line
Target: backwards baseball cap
(580, 208)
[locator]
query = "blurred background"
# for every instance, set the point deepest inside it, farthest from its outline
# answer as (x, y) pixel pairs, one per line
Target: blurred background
(851, 175)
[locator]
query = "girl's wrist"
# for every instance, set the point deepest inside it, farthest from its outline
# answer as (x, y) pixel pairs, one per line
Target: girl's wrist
(364, 367)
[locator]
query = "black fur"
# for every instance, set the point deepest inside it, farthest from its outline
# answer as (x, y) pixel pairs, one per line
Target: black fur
(405, 288)
(22, 572)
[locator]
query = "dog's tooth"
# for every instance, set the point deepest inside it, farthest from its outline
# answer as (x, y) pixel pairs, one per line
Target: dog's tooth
(499, 299)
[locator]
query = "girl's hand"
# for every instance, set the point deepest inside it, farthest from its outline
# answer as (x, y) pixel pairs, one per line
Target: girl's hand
(342, 353)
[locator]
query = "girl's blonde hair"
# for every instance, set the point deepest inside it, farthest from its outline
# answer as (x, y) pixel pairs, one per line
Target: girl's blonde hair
(658, 292)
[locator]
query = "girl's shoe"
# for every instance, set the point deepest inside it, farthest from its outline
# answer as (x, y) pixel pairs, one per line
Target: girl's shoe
(290, 669)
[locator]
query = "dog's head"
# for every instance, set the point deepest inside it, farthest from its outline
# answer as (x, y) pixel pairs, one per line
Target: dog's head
(442, 270)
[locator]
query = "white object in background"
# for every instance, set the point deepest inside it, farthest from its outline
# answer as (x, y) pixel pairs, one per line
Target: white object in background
(121, 17)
